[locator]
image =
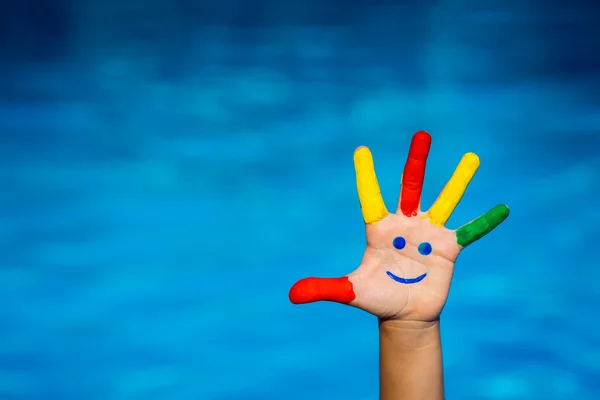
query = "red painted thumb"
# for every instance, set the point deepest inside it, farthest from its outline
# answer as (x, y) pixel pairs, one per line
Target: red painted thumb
(309, 290)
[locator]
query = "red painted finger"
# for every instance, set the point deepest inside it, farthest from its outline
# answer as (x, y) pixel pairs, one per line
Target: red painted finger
(414, 173)
(308, 290)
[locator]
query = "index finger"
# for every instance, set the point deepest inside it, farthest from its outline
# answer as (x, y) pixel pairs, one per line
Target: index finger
(369, 194)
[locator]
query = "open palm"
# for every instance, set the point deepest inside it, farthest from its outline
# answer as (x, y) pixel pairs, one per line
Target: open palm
(408, 264)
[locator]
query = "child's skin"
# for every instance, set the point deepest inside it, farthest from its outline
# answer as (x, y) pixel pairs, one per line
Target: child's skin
(405, 274)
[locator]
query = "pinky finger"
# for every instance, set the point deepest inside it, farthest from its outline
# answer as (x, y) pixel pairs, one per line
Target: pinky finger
(478, 228)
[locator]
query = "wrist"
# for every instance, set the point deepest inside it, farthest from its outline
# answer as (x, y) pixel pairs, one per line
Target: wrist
(410, 360)
(410, 334)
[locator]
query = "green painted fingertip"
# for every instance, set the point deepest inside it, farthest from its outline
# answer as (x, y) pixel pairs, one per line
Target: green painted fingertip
(478, 228)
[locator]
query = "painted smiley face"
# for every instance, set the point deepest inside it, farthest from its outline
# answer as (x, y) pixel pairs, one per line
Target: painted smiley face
(424, 249)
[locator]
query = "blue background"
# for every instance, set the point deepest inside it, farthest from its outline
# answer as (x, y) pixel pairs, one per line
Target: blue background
(170, 168)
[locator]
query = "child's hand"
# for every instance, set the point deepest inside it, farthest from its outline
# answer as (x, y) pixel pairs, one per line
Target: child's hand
(407, 267)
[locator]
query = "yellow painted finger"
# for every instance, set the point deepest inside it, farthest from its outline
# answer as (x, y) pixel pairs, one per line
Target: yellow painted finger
(454, 190)
(369, 194)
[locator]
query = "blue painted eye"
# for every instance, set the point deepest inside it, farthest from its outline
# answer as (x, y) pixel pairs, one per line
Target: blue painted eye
(425, 248)
(399, 242)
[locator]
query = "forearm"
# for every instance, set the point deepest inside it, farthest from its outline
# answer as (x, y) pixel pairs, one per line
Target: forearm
(410, 361)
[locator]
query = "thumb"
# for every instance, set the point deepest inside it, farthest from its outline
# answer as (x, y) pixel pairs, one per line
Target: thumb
(309, 290)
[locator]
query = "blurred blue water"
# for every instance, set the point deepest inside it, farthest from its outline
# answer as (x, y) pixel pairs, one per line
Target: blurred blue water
(169, 169)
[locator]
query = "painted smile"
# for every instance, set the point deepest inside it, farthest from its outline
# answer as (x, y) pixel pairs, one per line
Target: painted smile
(406, 281)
